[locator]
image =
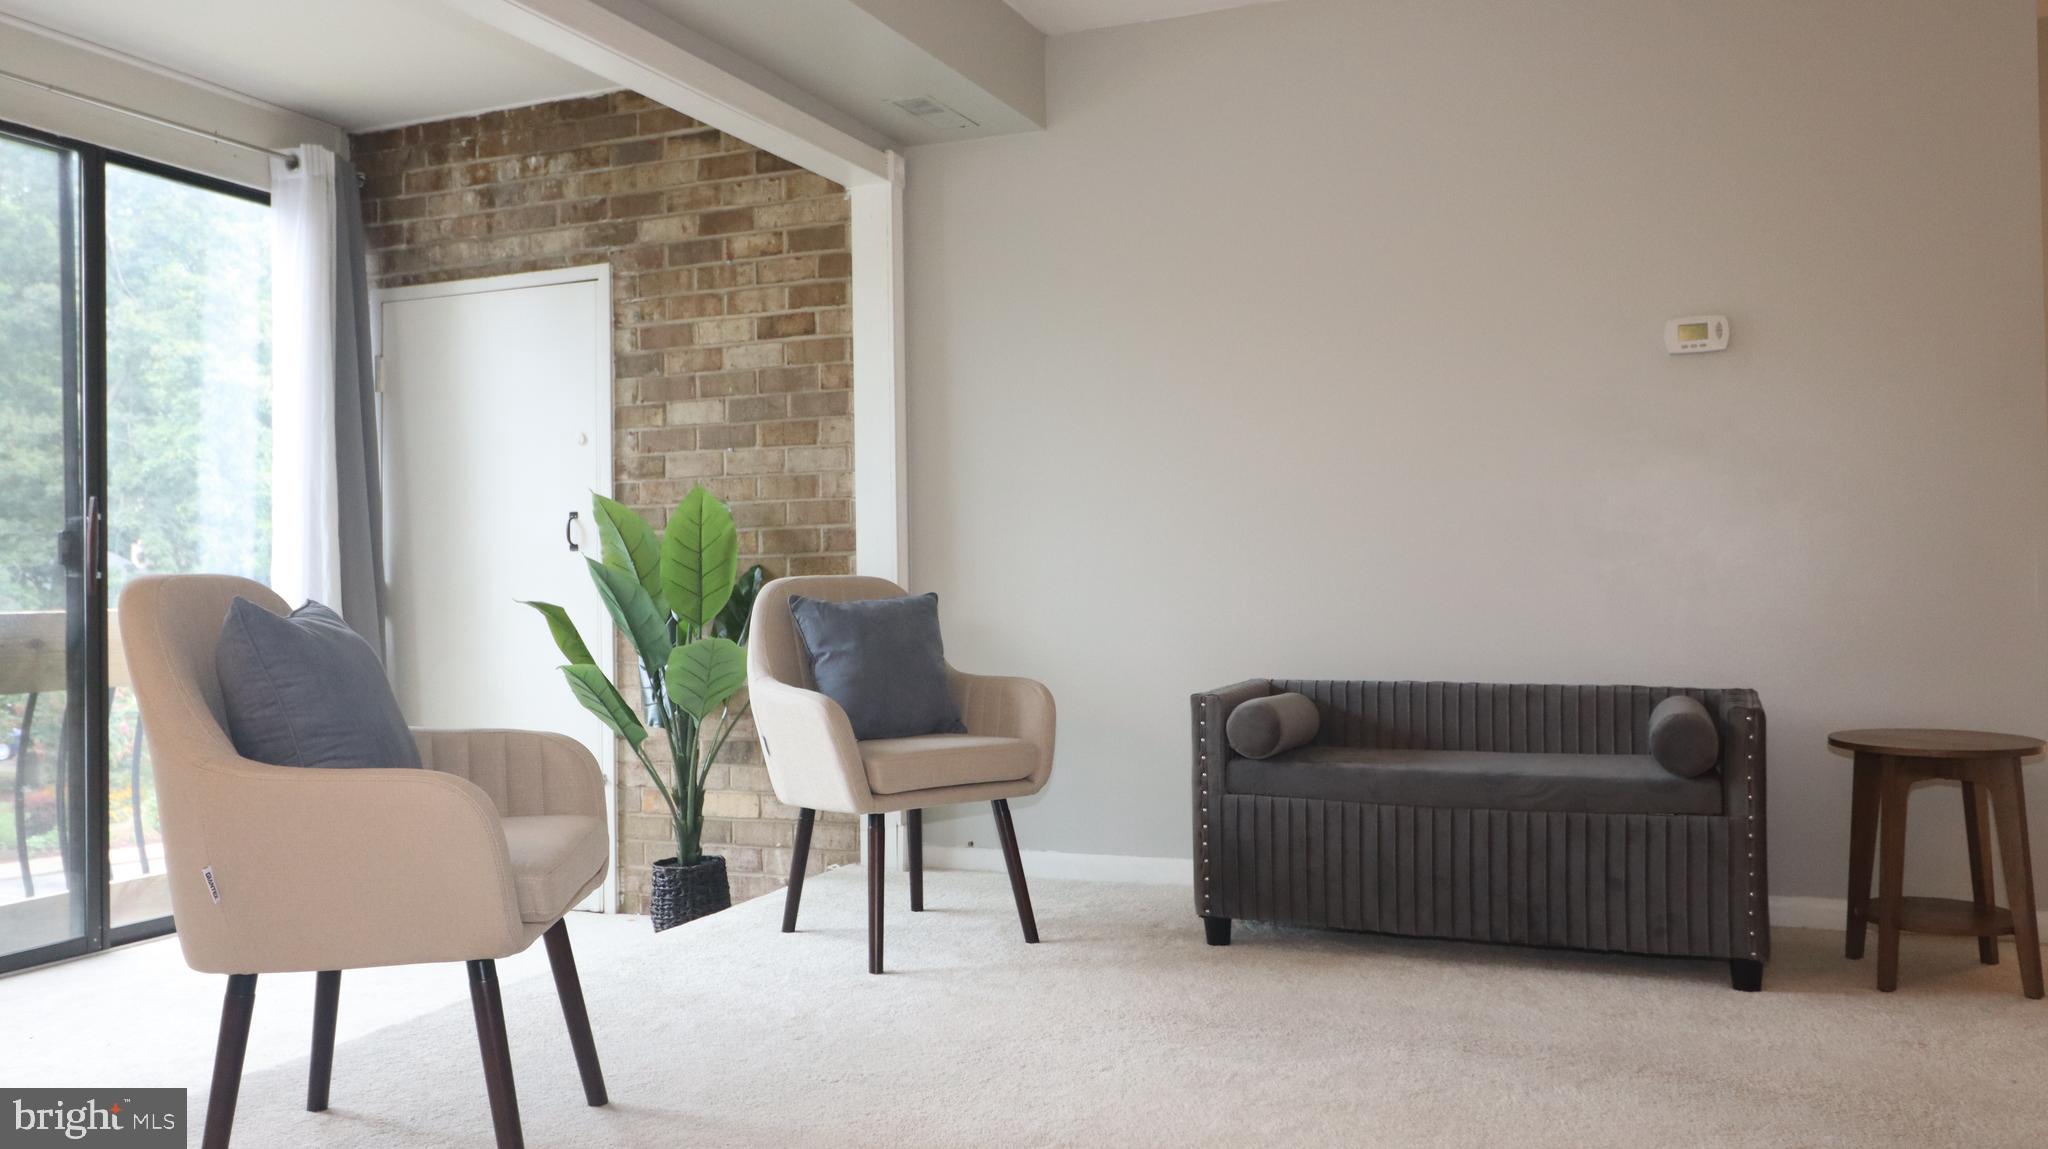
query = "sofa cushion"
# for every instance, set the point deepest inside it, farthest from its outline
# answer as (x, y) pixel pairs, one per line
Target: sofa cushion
(882, 661)
(1683, 738)
(1263, 727)
(305, 690)
(1480, 780)
(554, 859)
(900, 765)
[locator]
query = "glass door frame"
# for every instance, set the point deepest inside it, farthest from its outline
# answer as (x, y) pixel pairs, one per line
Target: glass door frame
(84, 544)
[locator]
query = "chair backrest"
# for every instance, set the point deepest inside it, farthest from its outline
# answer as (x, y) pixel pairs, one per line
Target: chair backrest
(774, 649)
(170, 625)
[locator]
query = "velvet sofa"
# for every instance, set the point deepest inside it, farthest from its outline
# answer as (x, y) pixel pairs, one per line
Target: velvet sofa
(1522, 814)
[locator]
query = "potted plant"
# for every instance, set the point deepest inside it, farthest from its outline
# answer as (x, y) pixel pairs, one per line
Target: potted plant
(674, 596)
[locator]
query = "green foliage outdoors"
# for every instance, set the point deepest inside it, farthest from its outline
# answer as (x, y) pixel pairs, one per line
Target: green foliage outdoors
(188, 398)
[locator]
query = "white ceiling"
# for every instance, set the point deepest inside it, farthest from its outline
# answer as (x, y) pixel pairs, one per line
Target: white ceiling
(360, 64)
(1058, 17)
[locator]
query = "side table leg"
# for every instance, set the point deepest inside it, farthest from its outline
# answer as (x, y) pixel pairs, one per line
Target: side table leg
(1976, 832)
(1863, 805)
(2009, 801)
(1895, 786)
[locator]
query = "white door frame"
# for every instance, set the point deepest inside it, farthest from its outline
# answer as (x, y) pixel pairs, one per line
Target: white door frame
(601, 439)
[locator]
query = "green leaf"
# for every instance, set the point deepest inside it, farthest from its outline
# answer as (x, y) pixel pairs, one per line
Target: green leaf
(564, 630)
(702, 675)
(700, 554)
(600, 697)
(634, 611)
(739, 609)
(629, 545)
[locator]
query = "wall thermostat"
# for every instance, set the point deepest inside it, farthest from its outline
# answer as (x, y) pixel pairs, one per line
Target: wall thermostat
(1696, 333)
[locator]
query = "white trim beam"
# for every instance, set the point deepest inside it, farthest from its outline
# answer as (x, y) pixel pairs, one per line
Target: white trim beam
(638, 48)
(881, 473)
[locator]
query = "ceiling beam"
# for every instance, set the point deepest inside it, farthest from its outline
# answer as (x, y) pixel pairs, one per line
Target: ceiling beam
(638, 48)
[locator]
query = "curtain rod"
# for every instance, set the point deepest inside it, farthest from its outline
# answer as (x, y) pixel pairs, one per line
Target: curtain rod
(290, 160)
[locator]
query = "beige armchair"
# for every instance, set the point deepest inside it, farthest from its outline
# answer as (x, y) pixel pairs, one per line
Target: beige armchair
(277, 869)
(815, 763)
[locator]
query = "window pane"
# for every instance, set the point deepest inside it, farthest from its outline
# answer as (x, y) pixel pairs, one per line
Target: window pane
(42, 807)
(188, 441)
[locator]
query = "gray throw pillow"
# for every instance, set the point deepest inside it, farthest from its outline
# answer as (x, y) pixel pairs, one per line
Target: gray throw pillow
(882, 661)
(305, 690)
(1263, 727)
(1683, 737)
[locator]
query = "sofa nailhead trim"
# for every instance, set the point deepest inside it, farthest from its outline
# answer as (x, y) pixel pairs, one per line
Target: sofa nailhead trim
(1749, 792)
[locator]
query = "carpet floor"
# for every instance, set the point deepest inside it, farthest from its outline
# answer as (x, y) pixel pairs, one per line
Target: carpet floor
(1123, 1028)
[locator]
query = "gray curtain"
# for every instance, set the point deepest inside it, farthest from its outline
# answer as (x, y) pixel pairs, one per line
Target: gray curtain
(357, 468)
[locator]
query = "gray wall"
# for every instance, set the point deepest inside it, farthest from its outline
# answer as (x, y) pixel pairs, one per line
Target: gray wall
(1323, 339)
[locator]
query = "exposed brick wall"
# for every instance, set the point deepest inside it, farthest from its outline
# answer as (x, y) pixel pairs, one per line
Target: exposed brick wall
(731, 357)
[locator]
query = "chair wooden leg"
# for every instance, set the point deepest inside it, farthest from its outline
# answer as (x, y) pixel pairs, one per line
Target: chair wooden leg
(1217, 930)
(1976, 833)
(326, 1003)
(1008, 833)
(2009, 804)
(1863, 803)
(798, 859)
(490, 1035)
(877, 864)
(1894, 789)
(913, 845)
(227, 1060)
(569, 988)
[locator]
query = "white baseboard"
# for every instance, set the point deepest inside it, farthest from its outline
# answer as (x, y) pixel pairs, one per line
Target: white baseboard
(1081, 867)
(1807, 913)
(1788, 911)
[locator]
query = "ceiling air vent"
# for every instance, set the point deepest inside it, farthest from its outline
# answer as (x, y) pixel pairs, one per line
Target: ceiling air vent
(934, 114)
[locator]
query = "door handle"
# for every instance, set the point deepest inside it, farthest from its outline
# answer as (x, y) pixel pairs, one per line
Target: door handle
(91, 558)
(569, 532)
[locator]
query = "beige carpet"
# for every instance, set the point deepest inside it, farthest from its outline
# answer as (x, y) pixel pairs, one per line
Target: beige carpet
(1123, 1029)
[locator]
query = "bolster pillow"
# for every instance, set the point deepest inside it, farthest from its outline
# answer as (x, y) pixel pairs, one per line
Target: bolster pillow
(1683, 738)
(1265, 726)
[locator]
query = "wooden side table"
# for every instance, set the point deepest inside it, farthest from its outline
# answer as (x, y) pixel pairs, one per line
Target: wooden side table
(1888, 764)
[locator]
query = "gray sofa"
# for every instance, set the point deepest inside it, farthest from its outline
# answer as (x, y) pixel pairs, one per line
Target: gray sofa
(1524, 814)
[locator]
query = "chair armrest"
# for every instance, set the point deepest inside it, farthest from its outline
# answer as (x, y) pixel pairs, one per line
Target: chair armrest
(524, 771)
(1003, 707)
(813, 761)
(337, 869)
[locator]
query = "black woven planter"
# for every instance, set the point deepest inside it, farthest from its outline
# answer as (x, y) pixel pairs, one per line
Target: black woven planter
(686, 893)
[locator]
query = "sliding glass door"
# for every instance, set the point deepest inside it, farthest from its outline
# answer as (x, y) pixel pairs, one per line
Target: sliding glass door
(134, 439)
(45, 858)
(188, 442)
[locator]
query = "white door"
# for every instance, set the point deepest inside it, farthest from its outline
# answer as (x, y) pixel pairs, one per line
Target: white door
(497, 425)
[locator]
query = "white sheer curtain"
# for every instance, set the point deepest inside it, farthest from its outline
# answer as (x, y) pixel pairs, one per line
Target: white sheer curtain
(327, 540)
(305, 509)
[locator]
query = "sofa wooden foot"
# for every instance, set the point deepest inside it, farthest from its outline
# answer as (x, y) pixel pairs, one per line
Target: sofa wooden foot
(1745, 975)
(1218, 930)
